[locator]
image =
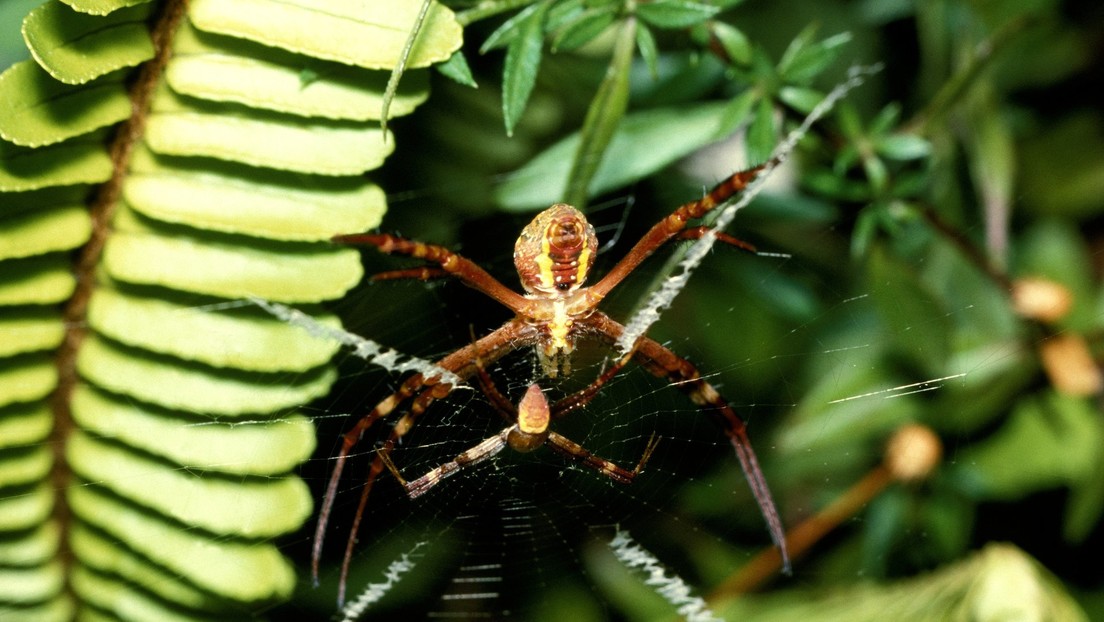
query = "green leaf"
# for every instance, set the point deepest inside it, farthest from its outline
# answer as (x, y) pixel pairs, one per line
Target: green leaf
(218, 392)
(76, 47)
(26, 378)
(110, 558)
(251, 201)
(24, 424)
(368, 34)
(646, 43)
(29, 329)
(603, 116)
(800, 99)
(255, 508)
(1049, 441)
(803, 60)
(914, 317)
(37, 110)
(232, 568)
(245, 339)
(272, 446)
(101, 7)
(761, 134)
(510, 29)
(26, 510)
(735, 43)
(46, 230)
(584, 28)
(41, 280)
(77, 161)
(24, 466)
(176, 127)
(903, 147)
(644, 142)
(523, 55)
(456, 69)
(233, 70)
(235, 268)
(675, 13)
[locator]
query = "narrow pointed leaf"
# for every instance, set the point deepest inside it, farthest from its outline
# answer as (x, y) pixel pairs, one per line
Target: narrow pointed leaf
(523, 56)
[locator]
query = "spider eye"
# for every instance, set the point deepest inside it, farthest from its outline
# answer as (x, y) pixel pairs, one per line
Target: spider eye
(563, 286)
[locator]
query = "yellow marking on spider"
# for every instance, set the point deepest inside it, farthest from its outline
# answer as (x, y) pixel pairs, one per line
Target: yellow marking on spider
(544, 263)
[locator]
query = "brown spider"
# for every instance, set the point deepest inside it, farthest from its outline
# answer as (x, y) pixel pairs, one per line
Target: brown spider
(553, 256)
(527, 431)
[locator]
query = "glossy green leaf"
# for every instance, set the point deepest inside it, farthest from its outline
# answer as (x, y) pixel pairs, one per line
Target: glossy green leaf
(799, 98)
(101, 554)
(26, 378)
(643, 143)
(171, 383)
(233, 268)
(649, 53)
(523, 55)
(101, 7)
(762, 133)
(37, 110)
(44, 231)
(77, 161)
(221, 68)
(509, 29)
(265, 139)
(456, 69)
(735, 43)
(255, 202)
(603, 116)
(36, 280)
(24, 424)
(76, 47)
(237, 569)
(367, 34)
(261, 507)
(675, 13)
(29, 330)
(805, 60)
(264, 447)
(245, 338)
(26, 466)
(584, 28)
(904, 147)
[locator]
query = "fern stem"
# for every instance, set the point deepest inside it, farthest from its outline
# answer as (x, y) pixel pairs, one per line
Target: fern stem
(101, 209)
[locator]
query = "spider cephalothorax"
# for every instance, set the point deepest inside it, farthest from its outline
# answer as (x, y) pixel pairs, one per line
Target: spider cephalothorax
(553, 255)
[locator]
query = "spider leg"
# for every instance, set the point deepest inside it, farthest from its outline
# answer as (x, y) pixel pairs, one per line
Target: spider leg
(450, 262)
(577, 452)
(664, 363)
(512, 335)
(695, 233)
(485, 449)
(424, 273)
(670, 227)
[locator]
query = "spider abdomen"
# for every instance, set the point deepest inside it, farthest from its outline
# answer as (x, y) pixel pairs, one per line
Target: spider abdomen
(555, 251)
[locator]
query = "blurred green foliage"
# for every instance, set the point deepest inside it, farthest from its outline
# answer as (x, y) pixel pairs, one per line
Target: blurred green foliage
(973, 160)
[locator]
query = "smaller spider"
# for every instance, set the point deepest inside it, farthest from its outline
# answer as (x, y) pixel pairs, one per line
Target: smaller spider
(553, 256)
(528, 430)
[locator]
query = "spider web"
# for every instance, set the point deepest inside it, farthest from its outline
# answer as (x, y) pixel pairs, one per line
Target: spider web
(519, 535)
